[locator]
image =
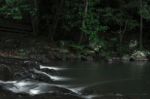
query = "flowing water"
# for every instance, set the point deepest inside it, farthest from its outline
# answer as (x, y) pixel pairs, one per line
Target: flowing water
(93, 80)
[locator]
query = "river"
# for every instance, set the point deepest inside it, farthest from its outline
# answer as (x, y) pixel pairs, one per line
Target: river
(119, 80)
(129, 78)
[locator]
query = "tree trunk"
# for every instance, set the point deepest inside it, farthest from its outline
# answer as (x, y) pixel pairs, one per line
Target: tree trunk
(122, 32)
(141, 27)
(86, 3)
(56, 19)
(35, 18)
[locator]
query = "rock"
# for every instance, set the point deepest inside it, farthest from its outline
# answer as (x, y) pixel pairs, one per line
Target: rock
(64, 51)
(50, 71)
(58, 56)
(51, 56)
(40, 57)
(24, 75)
(90, 58)
(86, 58)
(31, 64)
(126, 58)
(83, 58)
(139, 56)
(109, 60)
(116, 58)
(5, 73)
(133, 44)
(71, 57)
(90, 52)
(34, 88)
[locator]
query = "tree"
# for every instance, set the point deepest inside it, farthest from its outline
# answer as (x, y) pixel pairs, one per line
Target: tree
(141, 27)
(15, 9)
(35, 16)
(91, 24)
(86, 4)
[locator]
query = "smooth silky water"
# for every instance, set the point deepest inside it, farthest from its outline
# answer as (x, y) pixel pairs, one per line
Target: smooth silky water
(90, 80)
(124, 78)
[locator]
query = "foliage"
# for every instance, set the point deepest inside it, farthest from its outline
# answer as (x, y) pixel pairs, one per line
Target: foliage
(145, 11)
(92, 25)
(118, 17)
(15, 9)
(107, 24)
(72, 17)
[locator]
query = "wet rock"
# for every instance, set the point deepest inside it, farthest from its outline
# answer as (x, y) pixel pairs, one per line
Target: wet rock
(87, 58)
(139, 56)
(36, 89)
(51, 56)
(40, 57)
(42, 78)
(114, 97)
(126, 58)
(27, 75)
(32, 76)
(10, 44)
(148, 57)
(64, 51)
(90, 52)
(71, 56)
(133, 44)
(5, 73)
(90, 58)
(31, 64)
(57, 56)
(50, 71)
(6, 95)
(44, 59)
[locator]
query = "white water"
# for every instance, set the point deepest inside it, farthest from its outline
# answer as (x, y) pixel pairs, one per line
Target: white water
(56, 68)
(51, 77)
(34, 88)
(76, 90)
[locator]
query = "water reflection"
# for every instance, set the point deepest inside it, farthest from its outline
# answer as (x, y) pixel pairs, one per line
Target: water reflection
(125, 78)
(129, 78)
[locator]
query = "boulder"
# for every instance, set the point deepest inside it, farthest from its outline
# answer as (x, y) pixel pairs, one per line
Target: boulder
(139, 56)
(126, 58)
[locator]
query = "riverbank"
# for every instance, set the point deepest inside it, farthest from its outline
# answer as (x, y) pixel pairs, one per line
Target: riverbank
(44, 51)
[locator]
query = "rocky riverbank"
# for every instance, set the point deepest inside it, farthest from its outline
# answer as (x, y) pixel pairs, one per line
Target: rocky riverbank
(40, 49)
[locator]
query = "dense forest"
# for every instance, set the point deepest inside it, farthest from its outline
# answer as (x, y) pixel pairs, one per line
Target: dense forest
(101, 25)
(74, 49)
